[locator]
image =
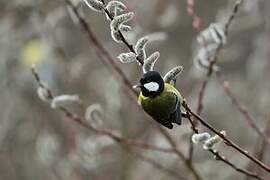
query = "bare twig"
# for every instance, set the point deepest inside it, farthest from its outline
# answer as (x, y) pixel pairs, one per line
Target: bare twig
(196, 20)
(179, 153)
(227, 141)
(214, 60)
(259, 152)
(229, 163)
(223, 158)
(240, 107)
(129, 46)
(211, 65)
(101, 51)
(156, 165)
(110, 133)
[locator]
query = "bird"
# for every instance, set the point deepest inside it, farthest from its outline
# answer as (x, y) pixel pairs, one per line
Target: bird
(161, 100)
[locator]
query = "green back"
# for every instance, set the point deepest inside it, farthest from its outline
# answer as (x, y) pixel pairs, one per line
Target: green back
(162, 106)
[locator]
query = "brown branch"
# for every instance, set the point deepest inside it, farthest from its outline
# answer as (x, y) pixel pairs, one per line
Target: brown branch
(211, 66)
(179, 153)
(240, 107)
(229, 163)
(223, 158)
(156, 165)
(109, 132)
(259, 152)
(101, 51)
(196, 20)
(227, 141)
(123, 39)
(214, 60)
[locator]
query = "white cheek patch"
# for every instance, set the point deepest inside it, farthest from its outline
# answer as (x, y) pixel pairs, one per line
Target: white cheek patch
(152, 86)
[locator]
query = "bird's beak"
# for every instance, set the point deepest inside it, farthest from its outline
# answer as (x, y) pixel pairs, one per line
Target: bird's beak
(137, 86)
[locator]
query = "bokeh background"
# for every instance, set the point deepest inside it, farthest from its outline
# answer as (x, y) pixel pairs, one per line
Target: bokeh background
(37, 142)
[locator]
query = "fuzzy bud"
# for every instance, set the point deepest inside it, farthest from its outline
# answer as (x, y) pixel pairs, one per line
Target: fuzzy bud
(140, 47)
(120, 20)
(157, 36)
(127, 57)
(64, 100)
(200, 138)
(205, 54)
(95, 5)
(116, 36)
(213, 34)
(173, 74)
(150, 62)
(125, 28)
(94, 115)
(213, 141)
(43, 94)
(115, 7)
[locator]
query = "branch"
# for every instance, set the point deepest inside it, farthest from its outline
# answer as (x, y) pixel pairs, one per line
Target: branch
(157, 165)
(223, 158)
(227, 141)
(259, 152)
(123, 39)
(108, 132)
(240, 107)
(211, 65)
(229, 163)
(214, 60)
(101, 51)
(196, 20)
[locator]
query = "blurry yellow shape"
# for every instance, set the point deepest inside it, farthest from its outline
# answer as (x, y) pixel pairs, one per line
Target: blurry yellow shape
(32, 53)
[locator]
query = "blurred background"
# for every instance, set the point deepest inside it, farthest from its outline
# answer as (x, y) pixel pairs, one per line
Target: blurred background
(37, 142)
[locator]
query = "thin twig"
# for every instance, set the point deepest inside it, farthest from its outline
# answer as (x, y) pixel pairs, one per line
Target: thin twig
(240, 107)
(127, 83)
(227, 141)
(123, 39)
(229, 163)
(223, 158)
(179, 153)
(156, 164)
(101, 51)
(259, 152)
(110, 133)
(214, 60)
(211, 66)
(226, 161)
(196, 20)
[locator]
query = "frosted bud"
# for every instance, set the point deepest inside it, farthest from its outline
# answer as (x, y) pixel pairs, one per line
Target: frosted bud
(213, 34)
(200, 138)
(120, 20)
(125, 28)
(64, 100)
(116, 36)
(140, 47)
(157, 36)
(205, 54)
(150, 62)
(94, 115)
(95, 5)
(213, 141)
(48, 148)
(43, 94)
(114, 7)
(127, 57)
(173, 74)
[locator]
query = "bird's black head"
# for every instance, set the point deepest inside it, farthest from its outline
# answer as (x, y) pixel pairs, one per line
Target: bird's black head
(151, 84)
